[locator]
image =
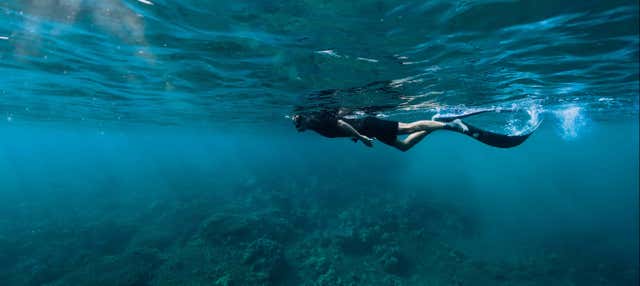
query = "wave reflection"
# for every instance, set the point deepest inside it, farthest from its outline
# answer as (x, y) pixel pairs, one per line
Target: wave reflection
(181, 61)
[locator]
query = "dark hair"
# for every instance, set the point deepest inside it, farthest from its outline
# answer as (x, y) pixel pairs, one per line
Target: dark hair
(313, 119)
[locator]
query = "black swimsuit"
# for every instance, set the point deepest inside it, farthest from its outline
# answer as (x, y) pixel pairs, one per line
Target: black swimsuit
(326, 124)
(385, 131)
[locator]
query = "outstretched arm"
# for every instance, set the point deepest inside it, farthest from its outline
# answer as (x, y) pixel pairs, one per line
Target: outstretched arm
(347, 128)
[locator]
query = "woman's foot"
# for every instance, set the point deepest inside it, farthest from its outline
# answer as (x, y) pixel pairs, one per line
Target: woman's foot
(458, 125)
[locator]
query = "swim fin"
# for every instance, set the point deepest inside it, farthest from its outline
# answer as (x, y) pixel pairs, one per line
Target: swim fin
(487, 137)
(495, 139)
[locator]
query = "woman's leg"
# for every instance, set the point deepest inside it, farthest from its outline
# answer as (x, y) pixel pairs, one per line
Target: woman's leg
(430, 126)
(411, 140)
(420, 129)
(422, 125)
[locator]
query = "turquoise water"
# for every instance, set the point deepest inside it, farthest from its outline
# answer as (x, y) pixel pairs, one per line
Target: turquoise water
(147, 143)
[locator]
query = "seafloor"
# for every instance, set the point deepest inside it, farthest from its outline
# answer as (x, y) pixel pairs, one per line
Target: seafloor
(262, 236)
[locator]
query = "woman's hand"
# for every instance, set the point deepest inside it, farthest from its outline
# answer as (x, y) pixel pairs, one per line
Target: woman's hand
(348, 129)
(366, 141)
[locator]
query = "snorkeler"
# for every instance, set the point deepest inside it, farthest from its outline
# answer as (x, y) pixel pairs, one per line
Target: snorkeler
(334, 124)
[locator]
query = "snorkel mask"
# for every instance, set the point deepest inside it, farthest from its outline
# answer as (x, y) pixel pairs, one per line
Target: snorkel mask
(297, 121)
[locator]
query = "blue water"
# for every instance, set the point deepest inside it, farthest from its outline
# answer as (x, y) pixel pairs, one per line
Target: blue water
(148, 143)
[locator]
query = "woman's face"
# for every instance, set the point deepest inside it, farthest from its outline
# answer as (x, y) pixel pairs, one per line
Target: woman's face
(299, 122)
